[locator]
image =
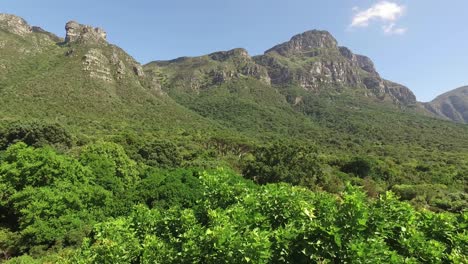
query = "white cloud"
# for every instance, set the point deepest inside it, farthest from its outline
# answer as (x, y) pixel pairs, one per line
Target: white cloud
(392, 29)
(384, 11)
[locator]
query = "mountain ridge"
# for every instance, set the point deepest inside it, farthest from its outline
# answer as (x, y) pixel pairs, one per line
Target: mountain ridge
(451, 105)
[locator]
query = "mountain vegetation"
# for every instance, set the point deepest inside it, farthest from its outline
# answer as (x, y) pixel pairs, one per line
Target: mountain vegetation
(304, 154)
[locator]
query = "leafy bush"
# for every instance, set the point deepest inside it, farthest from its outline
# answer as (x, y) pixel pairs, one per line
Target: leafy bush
(162, 153)
(282, 162)
(243, 223)
(36, 134)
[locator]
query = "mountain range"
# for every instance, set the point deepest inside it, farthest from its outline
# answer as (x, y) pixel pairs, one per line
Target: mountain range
(307, 88)
(90, 139)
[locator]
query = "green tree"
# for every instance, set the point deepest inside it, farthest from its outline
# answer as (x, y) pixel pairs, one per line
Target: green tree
(35, 134)
(280, 162)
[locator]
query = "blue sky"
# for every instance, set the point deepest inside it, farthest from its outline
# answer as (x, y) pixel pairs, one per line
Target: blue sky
(420, 43)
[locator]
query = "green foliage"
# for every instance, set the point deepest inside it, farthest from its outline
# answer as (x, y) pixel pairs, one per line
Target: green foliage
(162, 153)
(164, 189)
(113, 168)
(433, 196)
(48, 197)
(24, 166)
(359, 166)
(278, 223)
(36, 134)
(279, 162)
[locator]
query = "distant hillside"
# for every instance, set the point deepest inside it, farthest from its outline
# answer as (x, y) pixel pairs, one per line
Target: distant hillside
(452, 105)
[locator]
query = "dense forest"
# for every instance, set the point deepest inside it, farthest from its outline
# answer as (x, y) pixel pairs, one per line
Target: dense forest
(135, 200)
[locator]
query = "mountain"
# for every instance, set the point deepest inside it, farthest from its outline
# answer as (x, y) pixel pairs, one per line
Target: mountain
(452, 105)
(314, 61)
(311, 60)
(81, 81)
(308, 90)
(308, 87)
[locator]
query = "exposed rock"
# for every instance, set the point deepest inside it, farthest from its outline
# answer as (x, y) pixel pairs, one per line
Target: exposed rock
(347, 53)
(97, 65)
(121, 69)
(155, 85)
(313, 61)
(81, 33)
(399, 93)
(138, 70)
(243, 63)
(257, 72)
(14, 24)
(366, 64)
(225, 55)
(306, 42)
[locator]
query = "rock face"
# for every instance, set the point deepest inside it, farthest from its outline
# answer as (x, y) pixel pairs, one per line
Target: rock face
(14, 24)
(452, 105)
(102, 61)
(314, 61)
(243, 66)
(305, 42)
(198, 73)
(96, 64)
(82, 33)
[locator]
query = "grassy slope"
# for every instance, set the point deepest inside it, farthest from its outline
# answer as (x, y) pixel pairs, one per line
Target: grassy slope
(43, 83)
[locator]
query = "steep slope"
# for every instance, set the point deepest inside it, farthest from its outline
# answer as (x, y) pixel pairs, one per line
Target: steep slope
(452, 105)
(83, 81)
(231, 88)
(308, 87)
(311, 89)
(314, 61)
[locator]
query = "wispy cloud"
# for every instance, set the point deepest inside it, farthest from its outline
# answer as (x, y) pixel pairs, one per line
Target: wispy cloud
(392, 29)
(385, 12)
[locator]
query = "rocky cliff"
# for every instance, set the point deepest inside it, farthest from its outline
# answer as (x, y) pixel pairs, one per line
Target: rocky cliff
(314, 61)
(15, 25)
(102, 61)
(82, 33)
(311, 60)
(197, 73)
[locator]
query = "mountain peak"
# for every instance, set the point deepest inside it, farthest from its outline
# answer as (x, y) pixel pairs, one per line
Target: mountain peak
(82, 33)
(14, 24)
(305, 42)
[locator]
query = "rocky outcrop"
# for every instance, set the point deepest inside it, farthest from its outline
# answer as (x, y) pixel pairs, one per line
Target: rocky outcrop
(314, 61)
(97, 65)
(15, 25)
(226, 55)
(305, 42)
(197, 73)
(452, 105)
(243, 65)
(82, 33)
